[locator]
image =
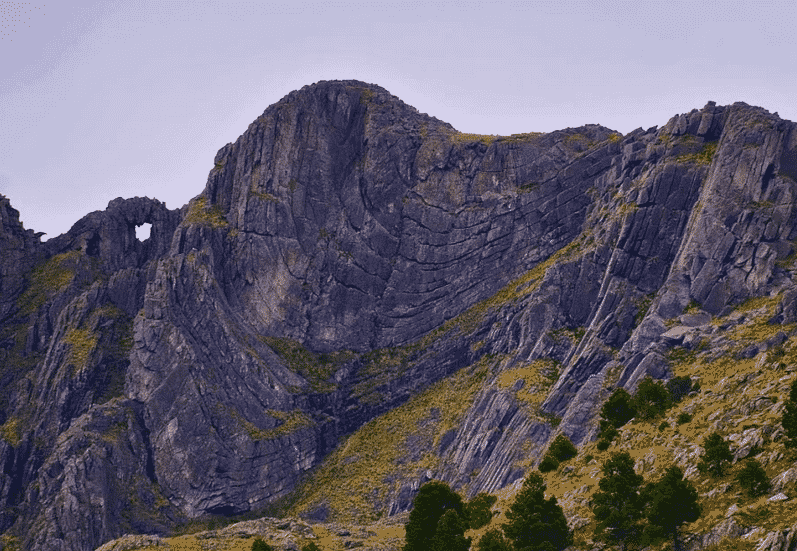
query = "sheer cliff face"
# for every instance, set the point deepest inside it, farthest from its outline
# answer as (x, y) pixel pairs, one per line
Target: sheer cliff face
(347, 252)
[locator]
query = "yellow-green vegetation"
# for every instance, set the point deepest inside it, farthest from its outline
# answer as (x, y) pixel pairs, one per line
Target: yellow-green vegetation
(356, 479)
(199, 213)
(82, 342)
(515, 290)
(9, 542)
(48, 279)
(11, 432)
(317, 369)
(702, 157)
(291, 421)
(459, 138)
(537, 376)
(520, 138)
(366, 96)
(264, 196)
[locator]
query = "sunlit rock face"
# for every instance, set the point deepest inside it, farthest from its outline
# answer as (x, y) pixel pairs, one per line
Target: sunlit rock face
(346, 253)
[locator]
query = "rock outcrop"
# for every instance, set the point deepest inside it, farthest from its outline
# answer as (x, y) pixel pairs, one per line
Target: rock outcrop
(346, 253)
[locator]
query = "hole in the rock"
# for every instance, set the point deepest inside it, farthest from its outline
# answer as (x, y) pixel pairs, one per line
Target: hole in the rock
(142, 231)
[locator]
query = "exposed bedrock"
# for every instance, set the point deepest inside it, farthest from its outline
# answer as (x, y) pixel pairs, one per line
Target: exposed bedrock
(346, 253)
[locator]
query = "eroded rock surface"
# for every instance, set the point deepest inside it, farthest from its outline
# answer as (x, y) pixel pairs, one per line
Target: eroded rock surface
(346, 253)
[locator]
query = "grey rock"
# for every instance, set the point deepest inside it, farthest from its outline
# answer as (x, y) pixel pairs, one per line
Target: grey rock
(346, 253)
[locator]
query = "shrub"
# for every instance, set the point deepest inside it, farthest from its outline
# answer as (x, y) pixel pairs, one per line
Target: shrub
(683, 418)
(789, 418)
(493, 540)
(753, 479)
(603, 445)
(716, 454)
(651, 399)
(663, 425)
(310, 547)
(562, 448)
(619, 409)
(679, 387)
(548, 463)
(478, 510)
(260, 545)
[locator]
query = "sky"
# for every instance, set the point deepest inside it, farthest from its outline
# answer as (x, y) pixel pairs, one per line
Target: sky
(120, 98)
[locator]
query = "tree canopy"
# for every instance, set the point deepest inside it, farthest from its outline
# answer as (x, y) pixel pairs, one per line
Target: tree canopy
(651, 399)
(753, 478)
(493, 540)
(433, 500)
(716, 453)
(478, 510)
(619, 408)
(535, 523)
(671, 502)
(789, 419)
(618, 506)
(450, 533)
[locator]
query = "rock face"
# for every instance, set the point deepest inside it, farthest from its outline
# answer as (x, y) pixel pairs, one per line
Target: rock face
(346, 253)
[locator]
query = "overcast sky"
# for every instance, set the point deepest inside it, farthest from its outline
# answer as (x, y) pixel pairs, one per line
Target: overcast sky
(121, 98)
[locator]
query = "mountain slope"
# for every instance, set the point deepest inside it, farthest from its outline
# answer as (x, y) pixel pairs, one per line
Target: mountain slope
(346, 254)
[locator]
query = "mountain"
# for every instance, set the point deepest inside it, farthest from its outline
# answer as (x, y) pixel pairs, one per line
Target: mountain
(349, 259)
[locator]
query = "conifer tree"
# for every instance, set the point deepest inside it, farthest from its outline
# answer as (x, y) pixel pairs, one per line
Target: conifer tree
(450, 533)
(617, 505)
(616, 412)
(789, 419)
(716, 453)
(493, 540)
(753, 478)
(478, 510)
(433, 500)
(535, 523)
(671, 502)
(651, 399)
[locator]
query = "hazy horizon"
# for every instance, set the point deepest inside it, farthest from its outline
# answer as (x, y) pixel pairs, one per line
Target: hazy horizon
(103, 99)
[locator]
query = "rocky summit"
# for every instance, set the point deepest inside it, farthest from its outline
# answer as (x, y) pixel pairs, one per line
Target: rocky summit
(348, 256)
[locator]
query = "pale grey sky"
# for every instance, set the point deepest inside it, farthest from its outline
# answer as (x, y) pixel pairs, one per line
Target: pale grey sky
(107, 98)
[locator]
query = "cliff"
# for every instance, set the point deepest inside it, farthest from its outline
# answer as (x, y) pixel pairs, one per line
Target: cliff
(348, 254)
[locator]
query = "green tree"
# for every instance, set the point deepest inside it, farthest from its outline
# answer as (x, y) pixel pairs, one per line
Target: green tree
(535, 523)
(618, 505)
(260, 545)
(716, 453)
(619, 408)
(478, 510)
(616, 412)
(562, 448)
(450, 533)
(493, 540)
(753, 478)
(433, 499)
(651, 399)
(679, 387)
(549, 463)
(671, 502)
(789, 419)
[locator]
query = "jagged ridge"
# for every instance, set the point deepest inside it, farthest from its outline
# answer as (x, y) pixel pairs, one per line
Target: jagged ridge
(341, 259)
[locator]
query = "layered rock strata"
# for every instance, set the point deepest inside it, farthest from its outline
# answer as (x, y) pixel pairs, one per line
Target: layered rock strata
(346, 253)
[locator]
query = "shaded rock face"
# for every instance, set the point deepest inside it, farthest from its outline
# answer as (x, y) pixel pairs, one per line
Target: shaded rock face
(346, 253)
